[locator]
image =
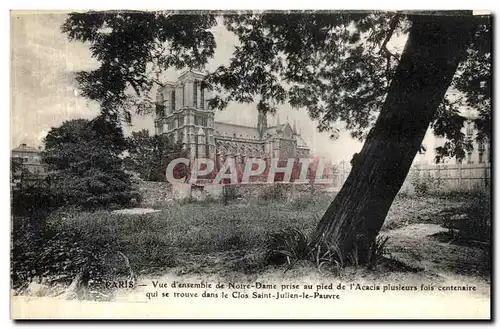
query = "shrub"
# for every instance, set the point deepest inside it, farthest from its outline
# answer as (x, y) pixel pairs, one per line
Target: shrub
(229, 193)
(423, 182)
(56, 254)
(476, 225)
(35, 201)
(149, 155)
(274, 192)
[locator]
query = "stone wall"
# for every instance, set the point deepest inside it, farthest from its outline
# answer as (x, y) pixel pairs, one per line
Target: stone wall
(158, 193)
(155, 194)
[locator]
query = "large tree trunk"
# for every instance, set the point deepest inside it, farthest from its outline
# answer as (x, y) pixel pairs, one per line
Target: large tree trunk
(432, 53)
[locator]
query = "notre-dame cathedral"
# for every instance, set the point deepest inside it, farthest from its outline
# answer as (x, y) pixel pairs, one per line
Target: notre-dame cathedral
(183, 113)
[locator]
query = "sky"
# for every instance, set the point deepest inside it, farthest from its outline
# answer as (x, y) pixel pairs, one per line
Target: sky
(44, 92)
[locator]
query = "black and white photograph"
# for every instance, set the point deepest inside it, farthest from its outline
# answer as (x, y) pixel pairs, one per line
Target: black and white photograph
(251, 164)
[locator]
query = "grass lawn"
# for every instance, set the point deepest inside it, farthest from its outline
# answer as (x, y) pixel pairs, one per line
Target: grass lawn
(208, 237)
(210, 241)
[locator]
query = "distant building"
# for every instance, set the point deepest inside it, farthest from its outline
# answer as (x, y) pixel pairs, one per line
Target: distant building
(480, 154)
(182, 113)
(29, 158)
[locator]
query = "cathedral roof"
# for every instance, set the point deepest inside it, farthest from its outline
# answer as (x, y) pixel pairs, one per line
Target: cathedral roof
(301, 142)
(232, 130)
(283, 130)
(275, 129)
(239, 147)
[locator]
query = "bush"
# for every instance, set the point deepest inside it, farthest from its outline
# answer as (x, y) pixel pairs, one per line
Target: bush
(423, 182)
(475, 224)
(274, 192)
(44, 250)
(58, 250)
(34, 201)
(229, 193)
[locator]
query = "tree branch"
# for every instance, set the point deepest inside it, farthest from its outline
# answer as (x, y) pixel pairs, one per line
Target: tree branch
(392, 26)
(383, 48)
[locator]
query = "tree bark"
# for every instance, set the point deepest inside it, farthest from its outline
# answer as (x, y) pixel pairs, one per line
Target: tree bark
(435, 46)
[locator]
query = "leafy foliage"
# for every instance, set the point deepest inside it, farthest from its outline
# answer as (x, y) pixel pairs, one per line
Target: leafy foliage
(150, 155)
(424, 183)
(16, 166)
(337, 65)
(54, 254)
(133, 48)
(311, 59)
(84, 159)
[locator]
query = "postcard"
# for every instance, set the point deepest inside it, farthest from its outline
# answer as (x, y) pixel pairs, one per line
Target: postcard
(251, 164)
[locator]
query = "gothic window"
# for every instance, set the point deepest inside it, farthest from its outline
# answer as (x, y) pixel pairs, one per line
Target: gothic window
(480, 145)
(200, 120)
(470, 129)
(469, 157)
(202, 98)
(287, 149)
(172, 101)
(195, 94)
(481, 159)
(160, 110)
(183, 95)
(170, 125)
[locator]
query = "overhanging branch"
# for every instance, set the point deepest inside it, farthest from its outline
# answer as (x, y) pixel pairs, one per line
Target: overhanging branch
(392, 27)
(383, 48)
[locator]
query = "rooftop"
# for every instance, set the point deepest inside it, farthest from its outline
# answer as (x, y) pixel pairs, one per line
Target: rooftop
(234, 130)
(25, 148)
